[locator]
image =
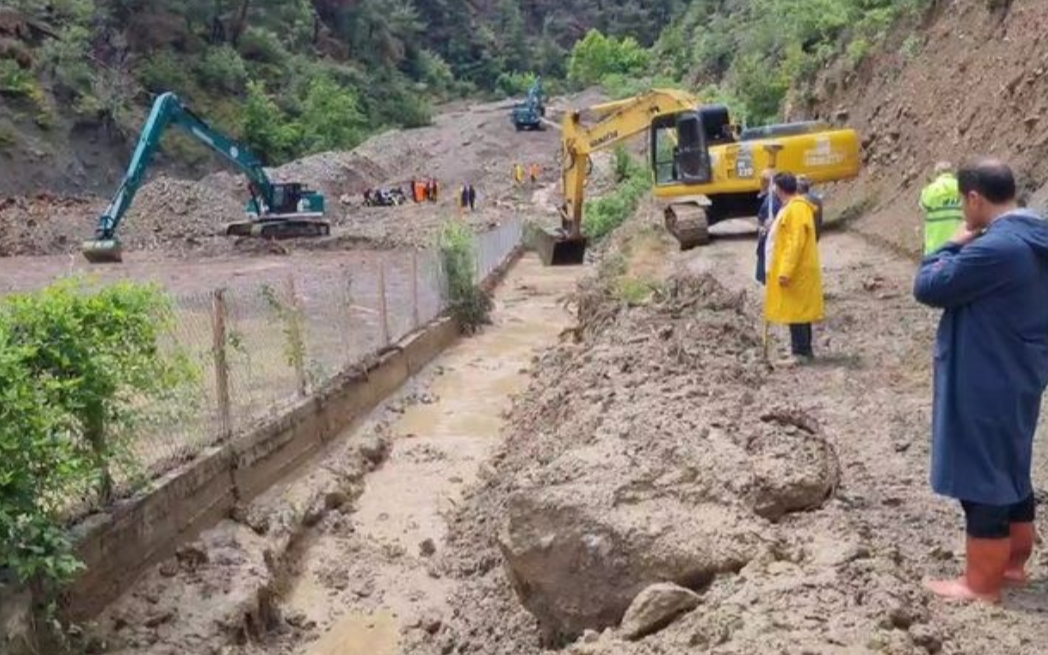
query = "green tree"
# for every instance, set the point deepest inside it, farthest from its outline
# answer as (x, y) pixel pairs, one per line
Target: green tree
(265, 127)
(597, 56)
(331, 117)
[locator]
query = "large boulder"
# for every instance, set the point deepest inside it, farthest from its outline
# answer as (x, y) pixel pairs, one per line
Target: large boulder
(577, 559)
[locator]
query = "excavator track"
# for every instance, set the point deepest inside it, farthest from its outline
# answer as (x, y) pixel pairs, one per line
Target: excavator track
(280, 229)
(688, 224)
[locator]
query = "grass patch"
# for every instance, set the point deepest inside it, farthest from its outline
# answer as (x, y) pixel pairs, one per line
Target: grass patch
(468, 303)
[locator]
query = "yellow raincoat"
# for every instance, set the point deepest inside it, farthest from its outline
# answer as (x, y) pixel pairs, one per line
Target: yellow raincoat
(794, 254)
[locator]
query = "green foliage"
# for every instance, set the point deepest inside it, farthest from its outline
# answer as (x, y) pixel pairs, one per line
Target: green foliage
(597, 56)
(77, 369)
(468, 303)
(265, 127)
(15, 81)
(331, 118)
(222, 69)
(755, 50)
(603, 215)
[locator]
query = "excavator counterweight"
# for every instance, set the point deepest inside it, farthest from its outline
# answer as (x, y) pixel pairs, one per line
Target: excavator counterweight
(276, 210)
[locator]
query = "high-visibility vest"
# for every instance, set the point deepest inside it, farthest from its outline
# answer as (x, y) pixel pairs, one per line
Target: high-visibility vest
(941, 204)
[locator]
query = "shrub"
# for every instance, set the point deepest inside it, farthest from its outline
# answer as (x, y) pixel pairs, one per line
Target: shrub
(222, 69)
(78, 369)
(468, 303)
(603, 215)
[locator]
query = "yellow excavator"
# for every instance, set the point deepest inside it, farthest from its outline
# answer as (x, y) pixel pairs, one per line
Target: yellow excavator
(703, 166)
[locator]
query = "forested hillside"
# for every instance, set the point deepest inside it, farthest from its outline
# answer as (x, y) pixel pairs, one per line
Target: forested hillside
(288, 76)
(292, 77)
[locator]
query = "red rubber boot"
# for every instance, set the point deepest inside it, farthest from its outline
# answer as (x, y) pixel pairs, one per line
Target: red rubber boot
(1023, 538)
(984, 574)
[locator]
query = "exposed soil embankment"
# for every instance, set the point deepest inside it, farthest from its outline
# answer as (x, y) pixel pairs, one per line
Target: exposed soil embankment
(970, 79)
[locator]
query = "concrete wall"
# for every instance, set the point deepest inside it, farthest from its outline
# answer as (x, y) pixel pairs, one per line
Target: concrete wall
(119, 546)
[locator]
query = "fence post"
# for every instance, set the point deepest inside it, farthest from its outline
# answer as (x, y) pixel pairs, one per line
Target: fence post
(383, 309)
(415, 320)
(218, 346)
(297, 336)
(348, 328)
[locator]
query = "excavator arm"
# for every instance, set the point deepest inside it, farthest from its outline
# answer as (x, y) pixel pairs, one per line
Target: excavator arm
(615, 122)
(266, 197)
(168, 110)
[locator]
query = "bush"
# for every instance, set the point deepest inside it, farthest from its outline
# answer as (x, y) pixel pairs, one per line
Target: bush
(597, 56)
(468, 303)
(222, 69)
(604, 215)
(77, 368)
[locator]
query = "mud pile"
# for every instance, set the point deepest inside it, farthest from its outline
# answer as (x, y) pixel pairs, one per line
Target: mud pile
(641, 453)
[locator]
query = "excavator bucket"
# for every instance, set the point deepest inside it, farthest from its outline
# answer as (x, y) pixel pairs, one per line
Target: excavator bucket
(102, 251)
(557, 249)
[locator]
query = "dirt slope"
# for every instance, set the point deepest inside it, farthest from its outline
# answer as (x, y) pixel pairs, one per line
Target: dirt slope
(175, 217)
(971, 80)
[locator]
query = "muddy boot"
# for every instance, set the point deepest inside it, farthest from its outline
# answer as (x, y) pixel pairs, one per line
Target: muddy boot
(1023, 538)
(984, 577)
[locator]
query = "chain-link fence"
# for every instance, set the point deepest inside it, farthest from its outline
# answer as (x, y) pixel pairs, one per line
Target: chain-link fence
(262, 345)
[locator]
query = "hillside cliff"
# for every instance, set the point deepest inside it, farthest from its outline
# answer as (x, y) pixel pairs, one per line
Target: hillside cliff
(968, 78)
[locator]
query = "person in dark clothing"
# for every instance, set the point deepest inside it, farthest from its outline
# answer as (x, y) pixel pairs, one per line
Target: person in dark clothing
(472, 198)
(991, 368)
(769, 209)
(804, 188)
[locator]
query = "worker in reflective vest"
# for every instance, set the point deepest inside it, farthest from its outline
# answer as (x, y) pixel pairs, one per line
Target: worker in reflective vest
(941, 204)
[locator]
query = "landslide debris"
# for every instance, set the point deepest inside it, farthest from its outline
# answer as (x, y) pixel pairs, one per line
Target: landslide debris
(640, 454)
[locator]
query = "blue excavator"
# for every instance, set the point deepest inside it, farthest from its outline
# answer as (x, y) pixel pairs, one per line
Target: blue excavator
(276, 210)
(528, 115)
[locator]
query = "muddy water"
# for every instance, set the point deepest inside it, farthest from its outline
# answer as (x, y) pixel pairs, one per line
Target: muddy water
(439, 447)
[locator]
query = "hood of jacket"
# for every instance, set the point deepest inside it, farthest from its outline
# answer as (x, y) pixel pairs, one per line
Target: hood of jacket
(1027, 226)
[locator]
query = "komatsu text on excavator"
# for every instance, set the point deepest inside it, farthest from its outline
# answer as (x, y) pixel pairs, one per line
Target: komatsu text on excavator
(702, 166)
(275, 210)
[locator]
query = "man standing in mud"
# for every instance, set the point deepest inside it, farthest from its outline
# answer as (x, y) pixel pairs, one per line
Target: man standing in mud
(794, 278)
(991, 367)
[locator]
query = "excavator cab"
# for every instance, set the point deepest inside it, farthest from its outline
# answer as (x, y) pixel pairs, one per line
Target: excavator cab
(291, 210)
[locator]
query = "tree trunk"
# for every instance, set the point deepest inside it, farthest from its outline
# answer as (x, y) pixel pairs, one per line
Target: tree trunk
(240, 24)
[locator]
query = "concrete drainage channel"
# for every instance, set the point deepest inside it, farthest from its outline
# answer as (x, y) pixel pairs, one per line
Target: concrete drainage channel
(335, 559)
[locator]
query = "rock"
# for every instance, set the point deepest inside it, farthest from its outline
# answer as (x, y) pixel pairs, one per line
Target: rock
(159, 618)
(577, 559)
(374, 448)
(169, 568)
(427, 548)
(16, 622)
(927, 638)
(656, 607)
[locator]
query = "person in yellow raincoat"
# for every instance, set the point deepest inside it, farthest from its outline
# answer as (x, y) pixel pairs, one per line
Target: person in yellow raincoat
(794, 288)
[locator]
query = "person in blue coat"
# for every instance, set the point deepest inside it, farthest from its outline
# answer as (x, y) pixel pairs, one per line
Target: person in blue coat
(991, 367)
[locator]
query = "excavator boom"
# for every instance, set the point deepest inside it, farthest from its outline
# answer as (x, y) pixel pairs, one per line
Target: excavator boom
(274, 209)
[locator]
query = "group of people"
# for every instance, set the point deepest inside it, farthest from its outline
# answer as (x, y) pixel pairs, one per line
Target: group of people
(790, 219)
(533, 172)
(985, 266)
(424, 189)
